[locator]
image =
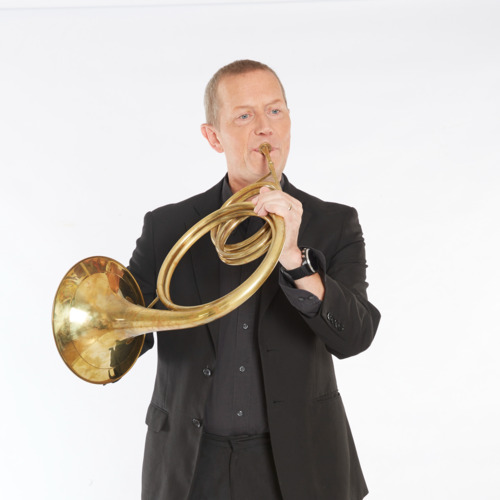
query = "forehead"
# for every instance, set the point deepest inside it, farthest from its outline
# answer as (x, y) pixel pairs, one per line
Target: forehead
(249, 89)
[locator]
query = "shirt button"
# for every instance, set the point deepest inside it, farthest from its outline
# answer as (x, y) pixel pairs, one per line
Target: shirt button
(196, 423)
(245, 326)
(207, 372)
(239, 413)
(242, 369)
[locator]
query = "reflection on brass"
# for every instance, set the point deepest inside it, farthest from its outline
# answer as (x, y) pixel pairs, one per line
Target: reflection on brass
(99, 319)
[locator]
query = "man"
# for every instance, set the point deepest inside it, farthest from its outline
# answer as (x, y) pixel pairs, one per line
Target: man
(247, 407)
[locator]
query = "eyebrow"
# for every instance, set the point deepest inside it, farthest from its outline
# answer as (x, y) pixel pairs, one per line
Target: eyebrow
(246, 106)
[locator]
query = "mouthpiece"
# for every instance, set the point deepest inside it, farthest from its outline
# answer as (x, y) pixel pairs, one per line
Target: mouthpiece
(264, 148)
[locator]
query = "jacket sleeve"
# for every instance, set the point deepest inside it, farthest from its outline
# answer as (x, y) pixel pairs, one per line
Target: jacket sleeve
(142, 266)
(346, 320)
(303, 300)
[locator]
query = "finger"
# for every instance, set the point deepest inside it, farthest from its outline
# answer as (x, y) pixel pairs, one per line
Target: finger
(273, 202)
(262, 190)
(278, 207)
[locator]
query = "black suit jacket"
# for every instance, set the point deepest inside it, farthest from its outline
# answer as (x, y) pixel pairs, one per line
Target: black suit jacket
(312, 444)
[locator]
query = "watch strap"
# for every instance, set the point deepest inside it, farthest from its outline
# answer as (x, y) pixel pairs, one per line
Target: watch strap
(307, 268)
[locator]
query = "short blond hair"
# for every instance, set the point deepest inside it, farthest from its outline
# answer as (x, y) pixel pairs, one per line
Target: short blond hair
(235, 68)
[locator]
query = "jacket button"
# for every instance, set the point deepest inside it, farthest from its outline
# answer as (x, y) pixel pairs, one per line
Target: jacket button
(207, 372)
(330, 317)
(338, 325)
(196, 423)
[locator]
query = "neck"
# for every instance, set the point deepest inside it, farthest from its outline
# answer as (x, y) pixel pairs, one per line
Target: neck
(236, 184)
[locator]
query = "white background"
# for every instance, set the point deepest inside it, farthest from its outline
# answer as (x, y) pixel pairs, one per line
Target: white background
(395, 109)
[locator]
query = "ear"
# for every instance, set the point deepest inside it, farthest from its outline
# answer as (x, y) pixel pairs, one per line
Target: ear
(210, 134)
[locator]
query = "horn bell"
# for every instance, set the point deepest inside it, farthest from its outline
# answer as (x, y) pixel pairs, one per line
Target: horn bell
(95, 296)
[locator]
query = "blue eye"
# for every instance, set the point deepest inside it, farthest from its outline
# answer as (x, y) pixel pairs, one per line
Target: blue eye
(275, 111)
(244, 116)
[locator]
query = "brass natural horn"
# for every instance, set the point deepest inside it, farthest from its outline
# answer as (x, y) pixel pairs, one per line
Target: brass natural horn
(99, 319)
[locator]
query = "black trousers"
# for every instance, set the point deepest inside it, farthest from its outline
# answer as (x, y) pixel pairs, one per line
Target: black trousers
(235, 468)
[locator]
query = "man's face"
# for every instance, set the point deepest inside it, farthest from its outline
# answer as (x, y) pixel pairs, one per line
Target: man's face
(252, 110)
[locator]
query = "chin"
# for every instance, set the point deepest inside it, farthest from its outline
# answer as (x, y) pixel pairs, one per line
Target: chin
(261, 172)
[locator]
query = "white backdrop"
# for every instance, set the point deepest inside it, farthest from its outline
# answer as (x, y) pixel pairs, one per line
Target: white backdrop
(395, 110)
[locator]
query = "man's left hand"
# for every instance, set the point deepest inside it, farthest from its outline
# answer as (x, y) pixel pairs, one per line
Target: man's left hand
(277, 202)
(280, 203)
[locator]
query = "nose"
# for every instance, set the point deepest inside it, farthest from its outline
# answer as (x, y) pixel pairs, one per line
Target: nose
(263, 125)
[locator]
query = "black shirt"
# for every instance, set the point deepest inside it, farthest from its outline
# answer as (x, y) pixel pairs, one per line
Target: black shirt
(236, 404)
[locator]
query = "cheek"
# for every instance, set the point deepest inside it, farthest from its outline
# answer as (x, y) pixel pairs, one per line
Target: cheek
(285, 129)
(237, 142)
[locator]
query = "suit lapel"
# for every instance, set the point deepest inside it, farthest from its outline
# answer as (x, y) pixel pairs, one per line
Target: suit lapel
(204, 258)
(306, 214)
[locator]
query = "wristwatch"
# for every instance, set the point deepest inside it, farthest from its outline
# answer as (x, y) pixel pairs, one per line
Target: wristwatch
(308, 267)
